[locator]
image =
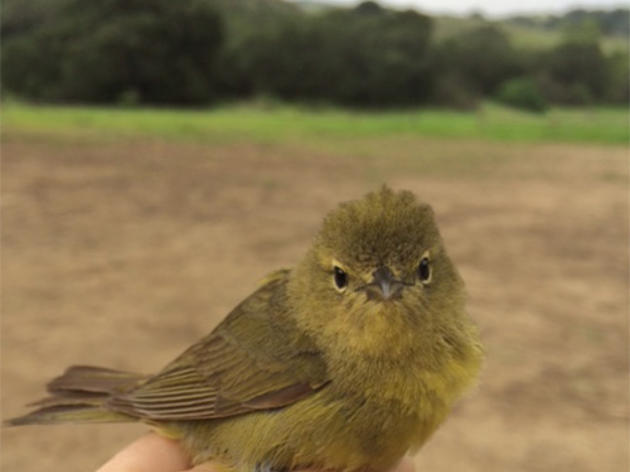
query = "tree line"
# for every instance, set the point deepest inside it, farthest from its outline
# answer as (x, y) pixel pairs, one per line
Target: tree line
(199, 52)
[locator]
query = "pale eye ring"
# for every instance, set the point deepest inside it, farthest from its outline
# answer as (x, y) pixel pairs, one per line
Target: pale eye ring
(340, 278)
(424, 269)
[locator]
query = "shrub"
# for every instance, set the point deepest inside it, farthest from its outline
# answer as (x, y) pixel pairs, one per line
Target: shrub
(522, 93)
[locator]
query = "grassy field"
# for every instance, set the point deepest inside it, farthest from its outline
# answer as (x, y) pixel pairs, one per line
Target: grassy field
(281, 123)
(128, 234)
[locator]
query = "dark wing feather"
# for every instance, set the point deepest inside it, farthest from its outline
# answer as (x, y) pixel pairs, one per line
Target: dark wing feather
(251, 361)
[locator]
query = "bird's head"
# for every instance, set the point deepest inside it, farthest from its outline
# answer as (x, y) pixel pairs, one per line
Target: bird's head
(378, 278)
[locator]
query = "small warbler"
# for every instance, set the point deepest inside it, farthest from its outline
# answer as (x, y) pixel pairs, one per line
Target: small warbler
(345, 362)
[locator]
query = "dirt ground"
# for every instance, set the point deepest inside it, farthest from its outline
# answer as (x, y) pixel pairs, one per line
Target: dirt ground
(122, 254)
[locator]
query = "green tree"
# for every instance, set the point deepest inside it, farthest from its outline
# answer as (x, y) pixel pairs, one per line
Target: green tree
(618, 79)
(155, 50)
(575, 73)
(481, 58)
(362, 57)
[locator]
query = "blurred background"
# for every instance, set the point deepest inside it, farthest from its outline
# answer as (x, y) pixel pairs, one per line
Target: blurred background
(160, 157)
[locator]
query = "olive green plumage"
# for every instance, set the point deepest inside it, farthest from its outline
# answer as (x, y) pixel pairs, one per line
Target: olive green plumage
(345, 362)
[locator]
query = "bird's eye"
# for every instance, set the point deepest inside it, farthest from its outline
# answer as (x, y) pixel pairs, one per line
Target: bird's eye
(340, 278)
(424, 270)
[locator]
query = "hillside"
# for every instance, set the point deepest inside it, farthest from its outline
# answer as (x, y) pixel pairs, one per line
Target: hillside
(201, 52)
(531, 31)
(522, 34)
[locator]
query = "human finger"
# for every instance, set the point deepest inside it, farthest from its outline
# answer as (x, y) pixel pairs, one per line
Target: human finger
(150, 453)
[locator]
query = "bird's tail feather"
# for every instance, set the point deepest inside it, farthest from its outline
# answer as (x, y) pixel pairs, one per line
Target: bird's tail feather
(80, 395)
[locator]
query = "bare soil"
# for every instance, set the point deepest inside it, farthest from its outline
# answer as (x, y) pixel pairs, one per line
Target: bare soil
(122, 254)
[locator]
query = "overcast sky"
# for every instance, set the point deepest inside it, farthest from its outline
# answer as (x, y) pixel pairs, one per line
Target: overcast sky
(497, 7)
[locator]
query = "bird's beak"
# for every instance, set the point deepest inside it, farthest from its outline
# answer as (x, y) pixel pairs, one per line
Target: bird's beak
(384, 285)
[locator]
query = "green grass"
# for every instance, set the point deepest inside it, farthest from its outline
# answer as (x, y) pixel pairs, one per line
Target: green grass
(291, 123)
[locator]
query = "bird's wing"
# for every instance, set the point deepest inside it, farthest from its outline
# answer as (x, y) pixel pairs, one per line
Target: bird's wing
(255, 359)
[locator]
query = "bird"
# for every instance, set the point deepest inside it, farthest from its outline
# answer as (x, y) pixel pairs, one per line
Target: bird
(345, 362)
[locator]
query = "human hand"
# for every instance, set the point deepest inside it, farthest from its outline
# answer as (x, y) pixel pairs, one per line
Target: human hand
(154, 453)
